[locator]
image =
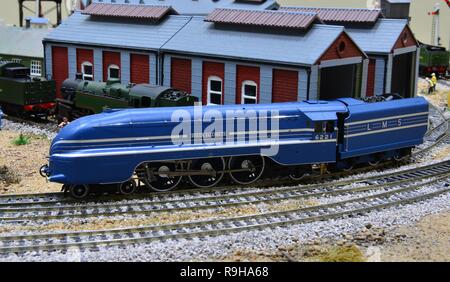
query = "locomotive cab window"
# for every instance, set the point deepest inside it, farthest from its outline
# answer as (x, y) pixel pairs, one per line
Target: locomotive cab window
(215, 90)
(113, 72)
(249, 92)
(330, 126)
(87, 71)
(324, 127)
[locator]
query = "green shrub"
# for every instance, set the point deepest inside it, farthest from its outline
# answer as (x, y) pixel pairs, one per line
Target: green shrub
(21, 140)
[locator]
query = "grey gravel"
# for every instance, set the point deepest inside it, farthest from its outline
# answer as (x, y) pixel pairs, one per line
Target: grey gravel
(48, 130)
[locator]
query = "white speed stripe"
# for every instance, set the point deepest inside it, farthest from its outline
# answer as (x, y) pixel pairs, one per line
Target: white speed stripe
(385, 130)
(169, 137)
(386, 118)
(181, 149)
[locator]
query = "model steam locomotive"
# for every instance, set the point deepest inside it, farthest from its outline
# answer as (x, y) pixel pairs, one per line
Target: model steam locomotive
(162, 146)
(433, 59)
(82, 97)
(25, 95)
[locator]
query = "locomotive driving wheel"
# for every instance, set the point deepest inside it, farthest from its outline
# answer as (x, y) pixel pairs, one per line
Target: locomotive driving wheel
(160, 176)
(246, 169)
(79, 191)
(205, 173)
(298, 173)
(127, 187)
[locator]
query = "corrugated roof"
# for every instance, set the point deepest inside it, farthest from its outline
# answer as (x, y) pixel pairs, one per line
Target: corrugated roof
(380, 38)
(82, 29)
(262, 18)
(340, 14)
(202, 38)
(201, 7)
(22, 41)
(128, 11)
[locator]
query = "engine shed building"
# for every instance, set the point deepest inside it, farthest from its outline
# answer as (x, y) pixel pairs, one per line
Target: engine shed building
(238, 56)
(285, 56)
(390, 44)
(111, 46)
(23, 45)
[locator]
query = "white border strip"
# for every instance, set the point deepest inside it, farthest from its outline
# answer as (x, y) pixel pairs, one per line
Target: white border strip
(386, 118)
(179, 149)
(385, 130)
(169, 137)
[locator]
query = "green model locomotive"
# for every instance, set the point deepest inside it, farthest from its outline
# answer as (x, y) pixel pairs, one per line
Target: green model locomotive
(82, 97)
(433, 59)
(25, 95)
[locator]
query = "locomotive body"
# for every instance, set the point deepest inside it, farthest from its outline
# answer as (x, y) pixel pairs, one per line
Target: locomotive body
(21, 94)
(82, 97)
(160, 146)
(433, 59)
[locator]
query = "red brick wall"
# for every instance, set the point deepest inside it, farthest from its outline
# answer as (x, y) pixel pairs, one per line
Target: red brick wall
(246, 73)
(351, 50)
(406, 39)
(110, 58)
(60, 67)
(85, 55)
(284, 85)
(181, 74)
(139, 68)
(371, 78)
(212, 69)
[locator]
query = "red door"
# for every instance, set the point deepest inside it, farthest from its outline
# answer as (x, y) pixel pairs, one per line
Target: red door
(212, 69)
(110, 58)
(284, 86)
(139, 68)
(85, 55)
(371, 78)
(181, 74)
(60, 67)
(246, 74)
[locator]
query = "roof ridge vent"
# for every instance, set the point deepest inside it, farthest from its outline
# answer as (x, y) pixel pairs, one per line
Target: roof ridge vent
(265, 18)
(153, 12)
(340, 15)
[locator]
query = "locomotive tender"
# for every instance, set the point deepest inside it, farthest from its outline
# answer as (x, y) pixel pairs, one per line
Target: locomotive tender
(22, 94)
(159, 147)
(82, 97)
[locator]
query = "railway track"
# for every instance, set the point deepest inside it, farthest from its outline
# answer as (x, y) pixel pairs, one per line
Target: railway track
(215, 199)
(108, 237)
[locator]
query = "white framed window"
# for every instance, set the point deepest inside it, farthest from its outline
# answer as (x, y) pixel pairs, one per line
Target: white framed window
(35, 68)
(249, 92)
(215, 90)
(16, 60)
(113, 72)
(87, 70)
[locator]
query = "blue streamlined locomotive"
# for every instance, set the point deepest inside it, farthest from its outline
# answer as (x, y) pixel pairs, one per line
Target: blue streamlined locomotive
(162, 146)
